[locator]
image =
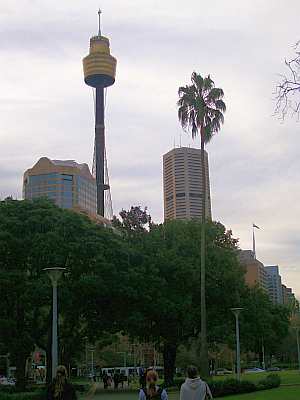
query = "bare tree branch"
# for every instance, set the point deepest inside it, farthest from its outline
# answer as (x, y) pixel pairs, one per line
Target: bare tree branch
(288, 89)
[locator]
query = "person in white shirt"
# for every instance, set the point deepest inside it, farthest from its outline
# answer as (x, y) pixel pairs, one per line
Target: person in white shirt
(194, 388)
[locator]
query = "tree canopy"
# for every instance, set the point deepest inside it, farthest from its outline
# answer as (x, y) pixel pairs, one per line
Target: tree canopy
(143, 284)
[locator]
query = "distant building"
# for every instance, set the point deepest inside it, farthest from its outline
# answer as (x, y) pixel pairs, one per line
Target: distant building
(274, 284)
(289, 299)
(182, 183)
(69, 184)
(255, 271)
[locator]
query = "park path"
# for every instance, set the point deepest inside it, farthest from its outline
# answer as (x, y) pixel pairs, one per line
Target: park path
(96, 392)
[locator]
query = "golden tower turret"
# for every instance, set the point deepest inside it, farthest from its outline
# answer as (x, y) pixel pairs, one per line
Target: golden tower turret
(99, 69)
(99, 66)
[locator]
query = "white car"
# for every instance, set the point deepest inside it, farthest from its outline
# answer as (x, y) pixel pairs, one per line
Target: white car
(223, 371)
(254, 370)
(7, 381)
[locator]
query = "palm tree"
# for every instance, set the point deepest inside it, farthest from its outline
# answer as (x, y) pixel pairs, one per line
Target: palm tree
(200, 110)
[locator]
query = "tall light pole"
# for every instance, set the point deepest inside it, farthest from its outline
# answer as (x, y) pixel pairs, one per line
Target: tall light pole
(86, 355)
(54, 275)
(236, 311)
(298, 346)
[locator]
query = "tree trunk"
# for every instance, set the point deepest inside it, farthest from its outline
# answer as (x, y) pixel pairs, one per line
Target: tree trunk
(169, 354)
(204, 368)
(20, 371)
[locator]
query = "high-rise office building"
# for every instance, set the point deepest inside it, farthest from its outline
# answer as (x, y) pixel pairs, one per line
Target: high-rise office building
(182, 182)
(67, 183)
(274, 284)
(288, 296)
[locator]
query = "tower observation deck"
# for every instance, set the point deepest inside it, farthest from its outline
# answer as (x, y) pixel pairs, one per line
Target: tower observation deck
(99, 69)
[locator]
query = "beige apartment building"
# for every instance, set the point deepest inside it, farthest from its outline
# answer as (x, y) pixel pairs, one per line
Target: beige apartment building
(67, 183)
(256, 274)
(182, 184)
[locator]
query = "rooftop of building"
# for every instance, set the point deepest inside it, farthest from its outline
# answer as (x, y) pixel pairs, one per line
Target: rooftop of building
(184, 149)
(272, 269)
(46, 165)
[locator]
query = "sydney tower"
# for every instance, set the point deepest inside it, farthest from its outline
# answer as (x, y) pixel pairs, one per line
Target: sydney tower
(99, 72)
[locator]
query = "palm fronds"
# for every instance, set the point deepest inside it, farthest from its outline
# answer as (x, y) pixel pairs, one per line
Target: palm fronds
(200, 107)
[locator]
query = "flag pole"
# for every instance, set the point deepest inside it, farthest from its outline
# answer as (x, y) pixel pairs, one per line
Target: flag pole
(253, 239)
(253, 242)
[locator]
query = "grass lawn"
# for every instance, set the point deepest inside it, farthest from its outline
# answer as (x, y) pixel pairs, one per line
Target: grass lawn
(283, 393)
(287, 377)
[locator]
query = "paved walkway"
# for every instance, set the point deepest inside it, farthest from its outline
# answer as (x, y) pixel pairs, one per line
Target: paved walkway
(98, 390)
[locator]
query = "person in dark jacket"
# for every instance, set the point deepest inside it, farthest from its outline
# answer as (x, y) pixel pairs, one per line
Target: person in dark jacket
(60, 388)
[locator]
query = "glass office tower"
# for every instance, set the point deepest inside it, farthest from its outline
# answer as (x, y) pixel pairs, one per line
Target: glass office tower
(67, 183)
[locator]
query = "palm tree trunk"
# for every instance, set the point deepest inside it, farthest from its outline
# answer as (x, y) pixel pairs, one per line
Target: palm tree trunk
(204, 350)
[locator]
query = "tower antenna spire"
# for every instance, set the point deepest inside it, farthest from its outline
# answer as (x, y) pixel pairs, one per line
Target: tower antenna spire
(99, 21)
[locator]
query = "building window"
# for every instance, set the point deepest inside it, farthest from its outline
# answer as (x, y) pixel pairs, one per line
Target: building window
(67, 177)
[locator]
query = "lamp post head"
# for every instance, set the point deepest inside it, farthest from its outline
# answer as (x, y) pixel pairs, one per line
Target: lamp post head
(236, 310)
(54, 274)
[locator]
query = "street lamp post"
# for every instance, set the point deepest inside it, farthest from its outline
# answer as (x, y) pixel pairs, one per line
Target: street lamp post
(92, 366)
(54, 275)
(236, 311)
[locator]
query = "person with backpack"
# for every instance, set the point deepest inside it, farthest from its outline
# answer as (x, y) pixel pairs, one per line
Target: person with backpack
(194, 388)
(152, 391)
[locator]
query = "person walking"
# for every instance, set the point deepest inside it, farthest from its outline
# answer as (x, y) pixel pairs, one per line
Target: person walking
(116, 379)
(142, 377)
(152, 391)
(194, 388)
(105, 379)
(60, 388)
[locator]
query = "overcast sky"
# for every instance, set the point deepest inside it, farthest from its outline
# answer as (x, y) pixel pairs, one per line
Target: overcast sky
(46, 109)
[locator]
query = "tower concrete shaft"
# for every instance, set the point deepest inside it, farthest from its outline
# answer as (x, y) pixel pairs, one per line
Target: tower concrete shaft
(100, 149)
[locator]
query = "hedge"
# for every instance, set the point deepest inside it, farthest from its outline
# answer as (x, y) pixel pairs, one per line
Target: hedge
(233, 386)
(23, 396)
(9, 393)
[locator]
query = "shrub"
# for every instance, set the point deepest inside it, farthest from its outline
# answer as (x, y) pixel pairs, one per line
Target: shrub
(271, 381)
(23, 396)
(7, 389)
(231, 386)
(178, 382)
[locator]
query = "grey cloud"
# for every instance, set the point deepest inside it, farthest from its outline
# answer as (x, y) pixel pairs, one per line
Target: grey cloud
(46, 109)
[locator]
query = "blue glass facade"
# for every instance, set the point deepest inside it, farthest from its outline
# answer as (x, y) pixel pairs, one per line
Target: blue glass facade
(66, 190)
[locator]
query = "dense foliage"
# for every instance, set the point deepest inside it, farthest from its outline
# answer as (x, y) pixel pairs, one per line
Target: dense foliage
(141, 280)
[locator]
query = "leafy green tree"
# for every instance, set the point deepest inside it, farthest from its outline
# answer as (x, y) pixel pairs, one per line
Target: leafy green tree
(262, 324)
(200, 110)
(133, 221)
(35, 235)
(165, 303)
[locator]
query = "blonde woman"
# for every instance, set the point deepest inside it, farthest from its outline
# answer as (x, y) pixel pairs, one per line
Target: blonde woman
(152, 390)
